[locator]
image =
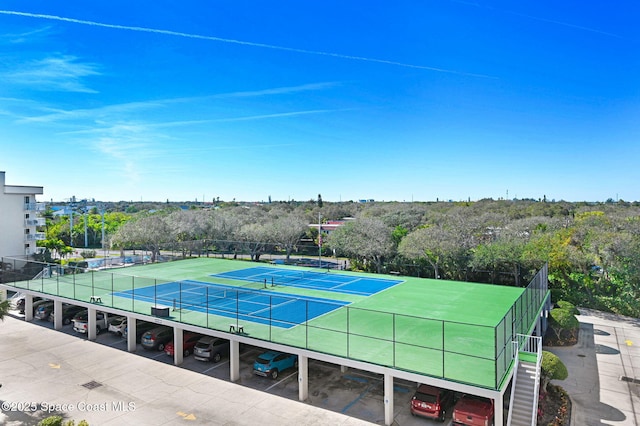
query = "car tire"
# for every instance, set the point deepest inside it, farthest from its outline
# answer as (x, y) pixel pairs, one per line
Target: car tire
(216, 357)
(186, 352)
(161, 347)
(274, 374)
(98, 329)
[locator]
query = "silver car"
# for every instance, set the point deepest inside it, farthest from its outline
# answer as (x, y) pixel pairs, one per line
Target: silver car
(211, 348)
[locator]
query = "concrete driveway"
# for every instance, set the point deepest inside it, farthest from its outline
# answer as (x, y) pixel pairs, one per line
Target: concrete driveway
(45, 372)
(604, 370)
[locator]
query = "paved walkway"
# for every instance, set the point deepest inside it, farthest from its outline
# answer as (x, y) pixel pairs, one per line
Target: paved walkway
(607, 352)
(45, 370)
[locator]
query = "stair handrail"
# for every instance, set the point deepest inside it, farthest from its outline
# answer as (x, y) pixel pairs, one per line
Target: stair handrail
(515, 376)
(532, 345)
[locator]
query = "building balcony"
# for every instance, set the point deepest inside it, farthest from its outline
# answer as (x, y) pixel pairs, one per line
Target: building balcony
(38, 236)
(37, 207)
(39, 221)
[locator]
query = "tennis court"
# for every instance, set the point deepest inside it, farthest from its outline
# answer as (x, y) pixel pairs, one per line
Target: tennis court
(457, 331)
(271, 308)
(310, 279)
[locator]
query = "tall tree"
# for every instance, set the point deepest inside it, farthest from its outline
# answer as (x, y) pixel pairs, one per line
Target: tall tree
(435, 244)
(287, 230)
(365, 238)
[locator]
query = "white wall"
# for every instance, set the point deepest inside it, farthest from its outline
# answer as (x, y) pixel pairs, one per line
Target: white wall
(13, 215)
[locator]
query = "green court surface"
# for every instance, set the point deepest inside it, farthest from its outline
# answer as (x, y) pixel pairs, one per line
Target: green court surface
(453, 330)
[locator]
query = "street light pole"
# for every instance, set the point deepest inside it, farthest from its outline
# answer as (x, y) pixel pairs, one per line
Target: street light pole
(101, 207)
(86, 236)
(71, 224)
(319, 241)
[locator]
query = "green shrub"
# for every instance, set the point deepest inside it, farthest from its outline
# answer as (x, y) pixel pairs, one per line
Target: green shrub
(552, 369)
(58, 421)
(563, 304)
(51, 421)
(564, 318)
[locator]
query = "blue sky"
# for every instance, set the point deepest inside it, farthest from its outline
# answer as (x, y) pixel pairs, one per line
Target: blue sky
(404, 100)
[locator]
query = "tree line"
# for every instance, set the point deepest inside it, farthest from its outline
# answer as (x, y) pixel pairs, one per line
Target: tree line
(592, 248)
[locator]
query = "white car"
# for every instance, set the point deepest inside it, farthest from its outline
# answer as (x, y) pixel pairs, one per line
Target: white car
(80, 322)
(118, 325)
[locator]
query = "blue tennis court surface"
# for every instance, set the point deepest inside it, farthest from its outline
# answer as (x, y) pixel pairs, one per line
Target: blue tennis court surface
(312, 280)
(264, 307)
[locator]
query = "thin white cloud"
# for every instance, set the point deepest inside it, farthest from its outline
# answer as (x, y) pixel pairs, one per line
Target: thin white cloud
(131, 107)
(56, 73)
(536, 18)
(26, 36)
(280, 90)
(240, 42)
(277, 115)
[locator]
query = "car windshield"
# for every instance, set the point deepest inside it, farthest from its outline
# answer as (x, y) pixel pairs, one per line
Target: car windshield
(262, 361)
(426, 397)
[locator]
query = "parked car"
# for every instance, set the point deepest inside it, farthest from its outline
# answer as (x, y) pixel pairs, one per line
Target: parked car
(39, 303)
(157, 338)
(18, 301)
(141, 328)
(118, 325)
(81, 322)
(210, 348)
(68, 312)
(189, 341)
(43, 310)
(473, 411)
(432, 402)
(271, 363)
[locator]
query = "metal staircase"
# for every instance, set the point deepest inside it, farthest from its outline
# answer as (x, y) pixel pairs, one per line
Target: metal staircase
(523, 408)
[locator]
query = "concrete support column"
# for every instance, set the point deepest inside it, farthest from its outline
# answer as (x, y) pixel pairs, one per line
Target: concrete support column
(303, 378)
(178, 345)
(234, 360)
(343, 369)
(132, 343)
(3, 294)
(498, 412)
(28, 307)
(91, 324)
(57, 315)
(388, 399)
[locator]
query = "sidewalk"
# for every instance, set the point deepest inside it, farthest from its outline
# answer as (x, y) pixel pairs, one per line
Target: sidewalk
(44, 372)
(604, 370)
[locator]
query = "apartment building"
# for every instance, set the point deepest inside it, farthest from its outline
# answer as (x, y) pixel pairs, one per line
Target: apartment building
(19, 219)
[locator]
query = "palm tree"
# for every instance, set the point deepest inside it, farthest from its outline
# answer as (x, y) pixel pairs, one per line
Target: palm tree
(4, 308)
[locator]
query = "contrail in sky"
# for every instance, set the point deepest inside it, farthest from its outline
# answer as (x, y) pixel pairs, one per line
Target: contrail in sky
(226, 40)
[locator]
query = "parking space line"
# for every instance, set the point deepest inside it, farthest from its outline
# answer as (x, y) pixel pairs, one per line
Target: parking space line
(359, 397)
(219, 364)
(280, 381)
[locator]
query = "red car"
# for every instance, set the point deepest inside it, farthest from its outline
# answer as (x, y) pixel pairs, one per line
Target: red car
(189, 341)
(473, 411)
(431, 402)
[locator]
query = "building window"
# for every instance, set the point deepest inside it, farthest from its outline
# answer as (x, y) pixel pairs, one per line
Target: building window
(27, 231)
(27, 199)
(26, 216)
